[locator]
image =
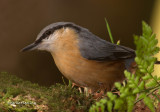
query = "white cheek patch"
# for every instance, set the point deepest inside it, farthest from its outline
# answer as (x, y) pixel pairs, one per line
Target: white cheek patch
(51, 39)
(56, 35)
(66, 30)
(48, 43)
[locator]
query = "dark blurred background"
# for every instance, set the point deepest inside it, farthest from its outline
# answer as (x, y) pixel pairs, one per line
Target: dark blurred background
(22, 20)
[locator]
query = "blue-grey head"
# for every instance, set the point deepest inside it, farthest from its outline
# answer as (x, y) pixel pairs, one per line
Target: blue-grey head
(49, 34)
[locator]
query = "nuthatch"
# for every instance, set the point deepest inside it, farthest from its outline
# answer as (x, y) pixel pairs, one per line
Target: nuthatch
(83, 57)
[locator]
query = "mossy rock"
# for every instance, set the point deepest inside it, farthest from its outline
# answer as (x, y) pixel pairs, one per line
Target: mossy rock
(17, 95)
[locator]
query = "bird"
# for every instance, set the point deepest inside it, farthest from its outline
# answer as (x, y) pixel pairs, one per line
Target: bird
(82, 57)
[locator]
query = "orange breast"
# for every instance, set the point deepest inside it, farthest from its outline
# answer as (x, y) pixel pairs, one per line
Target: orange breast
(88, 73)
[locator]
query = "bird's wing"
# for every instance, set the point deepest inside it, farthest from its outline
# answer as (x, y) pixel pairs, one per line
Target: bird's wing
(95, 48)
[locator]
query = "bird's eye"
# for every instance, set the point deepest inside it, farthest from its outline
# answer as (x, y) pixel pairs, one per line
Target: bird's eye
(48, 32)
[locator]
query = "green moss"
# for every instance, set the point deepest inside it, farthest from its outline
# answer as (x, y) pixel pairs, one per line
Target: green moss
(18, 95)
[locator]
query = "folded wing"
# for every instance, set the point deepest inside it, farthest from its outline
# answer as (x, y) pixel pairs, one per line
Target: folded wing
(95, 48)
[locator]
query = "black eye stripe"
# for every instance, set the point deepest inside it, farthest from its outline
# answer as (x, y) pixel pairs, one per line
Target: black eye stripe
(52, 30)
(48, 32)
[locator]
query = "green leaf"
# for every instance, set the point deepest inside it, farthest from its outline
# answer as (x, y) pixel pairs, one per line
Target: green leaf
(132, 85)
(109, 31)
(143, 70)
(136, 80)
(132, 76)
(122, 89)
(159, 91)
(126, 91)
(146, 29)
(92, 108)
(127, 74)
(97, 106)
(136, 38)
(102, 108)
(151, 83)
(103, 101)
(118, 104)
(136, 90)
(148, 101)
(109, 106)
(146, 77)
(111, 96)
(155, 77)
(151, 67)
(122, 95)
(154, 42)
(141, 85)
(130, 103)
(145, 65)
(140, 66)
(144, 40)
(142, 95)
(152, 37)
(138, 60)
(118, 85)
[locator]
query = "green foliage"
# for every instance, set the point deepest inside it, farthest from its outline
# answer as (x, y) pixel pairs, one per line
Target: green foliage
(139, 86)
(110, 34)
(109, 31)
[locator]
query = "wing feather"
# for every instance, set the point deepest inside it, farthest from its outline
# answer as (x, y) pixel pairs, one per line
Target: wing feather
(95, 48)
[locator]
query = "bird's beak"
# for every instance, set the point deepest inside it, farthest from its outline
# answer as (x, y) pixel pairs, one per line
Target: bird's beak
(29, 47)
